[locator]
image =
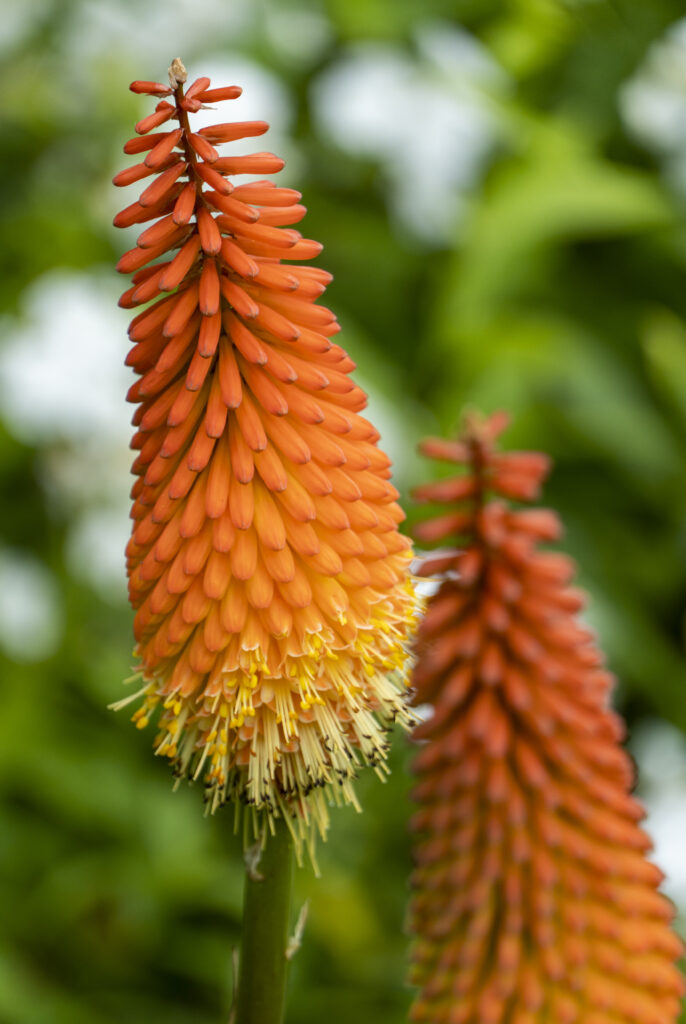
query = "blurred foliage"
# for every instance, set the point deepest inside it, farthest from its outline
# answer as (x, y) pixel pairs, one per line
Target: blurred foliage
(559, 294)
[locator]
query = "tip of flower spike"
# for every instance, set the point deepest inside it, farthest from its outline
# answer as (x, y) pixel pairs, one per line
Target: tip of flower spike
(516, 475)
(177, 73)
(476, 429)
(479, 428)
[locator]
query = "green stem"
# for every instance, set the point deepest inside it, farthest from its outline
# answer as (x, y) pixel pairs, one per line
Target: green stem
(263, 964)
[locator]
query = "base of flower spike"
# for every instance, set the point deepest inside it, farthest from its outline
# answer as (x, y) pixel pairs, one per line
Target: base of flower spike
(288, 740)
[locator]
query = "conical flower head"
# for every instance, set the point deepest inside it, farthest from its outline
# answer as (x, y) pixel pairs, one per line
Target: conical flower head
(534, 902)
(265, 565)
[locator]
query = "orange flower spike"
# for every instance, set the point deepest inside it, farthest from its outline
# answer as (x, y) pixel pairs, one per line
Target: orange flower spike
(533, 898)
(273, 661)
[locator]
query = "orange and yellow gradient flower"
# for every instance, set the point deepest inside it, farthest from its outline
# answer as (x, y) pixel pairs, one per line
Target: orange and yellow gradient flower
(533, 902)
(270, 582)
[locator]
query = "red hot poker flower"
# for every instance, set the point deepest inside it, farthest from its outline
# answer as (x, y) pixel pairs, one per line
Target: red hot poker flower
(534, 902)
(265, 566)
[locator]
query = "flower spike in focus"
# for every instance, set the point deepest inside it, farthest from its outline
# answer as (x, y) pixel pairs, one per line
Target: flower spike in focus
(269, 579)
(533, 901)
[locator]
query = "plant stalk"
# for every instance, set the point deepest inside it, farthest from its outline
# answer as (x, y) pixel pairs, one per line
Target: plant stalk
(263, 964)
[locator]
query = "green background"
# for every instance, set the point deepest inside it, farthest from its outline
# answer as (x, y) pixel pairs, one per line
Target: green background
(549, 279)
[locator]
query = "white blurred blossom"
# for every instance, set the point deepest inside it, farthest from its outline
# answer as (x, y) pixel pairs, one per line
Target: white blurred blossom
(426, 119)
(660, 752)
(30, 612)
(653, 103)
(62, 386)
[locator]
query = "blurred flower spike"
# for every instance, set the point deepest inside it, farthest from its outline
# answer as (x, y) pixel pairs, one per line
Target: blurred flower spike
(533, 898)
(270, 582)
